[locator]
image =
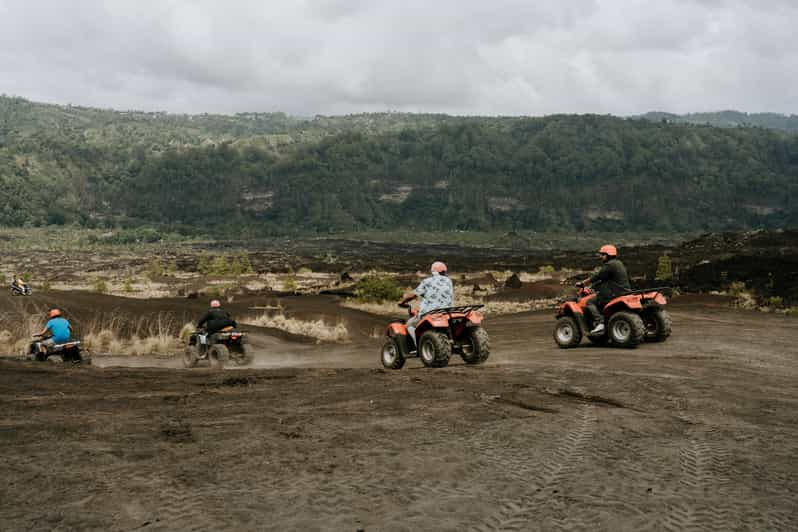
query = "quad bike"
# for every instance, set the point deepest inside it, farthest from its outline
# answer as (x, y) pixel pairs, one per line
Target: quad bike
(630, 319)
(70, 351)
(441, 332)
(20, 290)
(217, 348)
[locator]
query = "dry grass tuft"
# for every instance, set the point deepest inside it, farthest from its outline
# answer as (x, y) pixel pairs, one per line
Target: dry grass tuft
(491, 308)
(318, 329)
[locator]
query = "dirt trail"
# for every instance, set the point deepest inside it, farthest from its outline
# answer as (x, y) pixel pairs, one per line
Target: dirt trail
(698, 433)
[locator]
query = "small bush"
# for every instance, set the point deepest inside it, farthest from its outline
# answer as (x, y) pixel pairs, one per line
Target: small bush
(204, 264)
(127, 286)
(289, 283)
(155, 269)
(736, 288)
(375, 289)
(548, 268)
(219, 266)
(100, 286)
(246, 265)
(304, 271)
(664, 269)
(776, 302)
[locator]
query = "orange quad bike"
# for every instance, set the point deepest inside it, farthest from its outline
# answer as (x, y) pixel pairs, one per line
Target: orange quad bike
(441, 332)
(630, 319)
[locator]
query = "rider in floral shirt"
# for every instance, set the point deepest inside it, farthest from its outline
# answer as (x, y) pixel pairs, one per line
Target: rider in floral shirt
(435, 292)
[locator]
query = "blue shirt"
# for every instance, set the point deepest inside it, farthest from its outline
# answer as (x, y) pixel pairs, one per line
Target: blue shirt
(59, 327)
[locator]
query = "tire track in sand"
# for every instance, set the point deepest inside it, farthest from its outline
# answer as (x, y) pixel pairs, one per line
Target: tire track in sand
(541, 478)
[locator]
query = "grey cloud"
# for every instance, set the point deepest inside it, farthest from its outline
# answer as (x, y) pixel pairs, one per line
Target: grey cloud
(465, 57)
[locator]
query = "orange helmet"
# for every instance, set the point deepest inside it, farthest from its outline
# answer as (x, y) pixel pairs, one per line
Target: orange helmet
(54, 313)
(216, 303)
(609, 249)
(438, 267)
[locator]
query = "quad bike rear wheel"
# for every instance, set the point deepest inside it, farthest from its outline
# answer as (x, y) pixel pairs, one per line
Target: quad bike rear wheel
(434, 349)
(190, 356)
(567, 333)
(626, 329)
(658, 325)
(476, 349)
(391, 354)
(241, 356)
(218, 355)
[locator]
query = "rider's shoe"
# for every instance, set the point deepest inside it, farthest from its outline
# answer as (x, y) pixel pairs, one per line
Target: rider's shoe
(597, 330)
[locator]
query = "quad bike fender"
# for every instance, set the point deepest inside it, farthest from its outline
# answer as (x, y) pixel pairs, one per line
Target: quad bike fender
(474, 318)
(434, 321)
(656, 297)
(396, 328)
(569, 308)
(632, 302)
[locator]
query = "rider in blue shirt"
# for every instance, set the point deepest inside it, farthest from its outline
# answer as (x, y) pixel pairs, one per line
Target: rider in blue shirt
(58, 329)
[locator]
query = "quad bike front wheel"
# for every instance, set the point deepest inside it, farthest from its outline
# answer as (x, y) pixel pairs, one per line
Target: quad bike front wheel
(476, 349)
(218, 355)
(626, 329)
(190, 356)
(391, 355)
(658, 325)
(434, 349)
(567, 333)
(241, 356)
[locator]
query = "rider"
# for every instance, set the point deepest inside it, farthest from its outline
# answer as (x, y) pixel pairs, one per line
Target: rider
(216, 319)
(610, 282)
(19, 282)
(435, 292)
(58, 328)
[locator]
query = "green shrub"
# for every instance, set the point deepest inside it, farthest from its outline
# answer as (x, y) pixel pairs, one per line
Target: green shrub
(204, 264)
(664, 269)
(303, 270)
(219, 266)
(375, 289)
(246, 266)
(235, 266)
(548, 268)
(127, 286)
(100, 286)
(289, 283)
(776, 302)
(155, 269)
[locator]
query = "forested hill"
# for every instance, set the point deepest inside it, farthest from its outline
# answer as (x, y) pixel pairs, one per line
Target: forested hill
(731, 119)
(267, 173)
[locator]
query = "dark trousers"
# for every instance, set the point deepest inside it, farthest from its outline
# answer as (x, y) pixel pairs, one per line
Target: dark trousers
(593, 308)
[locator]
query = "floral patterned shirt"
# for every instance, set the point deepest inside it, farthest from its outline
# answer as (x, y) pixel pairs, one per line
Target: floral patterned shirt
(435, 292)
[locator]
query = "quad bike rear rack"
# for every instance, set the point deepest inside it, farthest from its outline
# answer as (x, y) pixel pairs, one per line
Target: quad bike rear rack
(465, 309)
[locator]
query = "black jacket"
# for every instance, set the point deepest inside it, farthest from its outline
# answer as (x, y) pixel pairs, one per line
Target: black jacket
(215, 320)
(611, 280)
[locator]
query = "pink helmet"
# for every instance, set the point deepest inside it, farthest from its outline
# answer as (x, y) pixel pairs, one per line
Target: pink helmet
(438, 267)
(609, 250)
(216, 303)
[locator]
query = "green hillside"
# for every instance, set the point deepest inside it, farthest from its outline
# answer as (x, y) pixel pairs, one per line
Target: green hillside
(268, 173)
(781, 122)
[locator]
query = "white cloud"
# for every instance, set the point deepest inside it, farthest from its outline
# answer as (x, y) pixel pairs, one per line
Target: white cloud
(465, 57)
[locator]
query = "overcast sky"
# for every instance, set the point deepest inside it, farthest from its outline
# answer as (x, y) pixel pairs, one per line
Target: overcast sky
(509, 57)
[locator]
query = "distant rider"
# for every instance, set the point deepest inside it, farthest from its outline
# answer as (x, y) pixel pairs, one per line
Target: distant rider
(435, 292)
(19, 283)
(57, 330)
(610, 282)
(216, 319)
